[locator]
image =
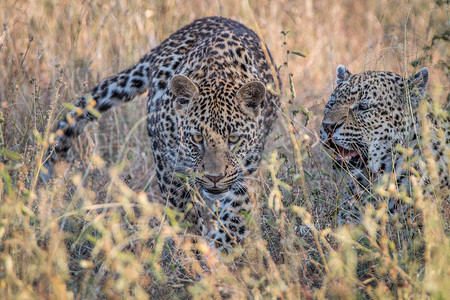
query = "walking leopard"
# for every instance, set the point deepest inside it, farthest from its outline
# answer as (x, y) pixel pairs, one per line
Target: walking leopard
(209, 115)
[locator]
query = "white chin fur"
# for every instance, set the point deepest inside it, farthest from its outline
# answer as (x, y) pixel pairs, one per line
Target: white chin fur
(213, 197)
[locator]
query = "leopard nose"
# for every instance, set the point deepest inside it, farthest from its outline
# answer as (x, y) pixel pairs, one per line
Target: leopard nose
(214, 178)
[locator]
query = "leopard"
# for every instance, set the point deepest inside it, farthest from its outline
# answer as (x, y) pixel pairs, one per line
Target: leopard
(368, 119)
(213, 93)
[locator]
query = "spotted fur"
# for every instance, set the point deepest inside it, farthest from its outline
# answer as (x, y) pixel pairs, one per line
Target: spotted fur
(209, 115)
(366, 118)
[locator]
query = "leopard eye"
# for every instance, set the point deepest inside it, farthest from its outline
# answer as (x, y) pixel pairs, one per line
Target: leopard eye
(197, 138)
(362, 106)
(233, 139)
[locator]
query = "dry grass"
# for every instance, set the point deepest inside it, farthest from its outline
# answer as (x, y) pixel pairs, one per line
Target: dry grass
(88, 234)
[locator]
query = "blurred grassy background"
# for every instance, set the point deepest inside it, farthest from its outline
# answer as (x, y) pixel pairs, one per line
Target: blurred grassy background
(53, 51)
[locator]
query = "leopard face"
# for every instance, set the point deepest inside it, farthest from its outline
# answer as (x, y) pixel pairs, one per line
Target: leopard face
(368, 115)
(220, 140)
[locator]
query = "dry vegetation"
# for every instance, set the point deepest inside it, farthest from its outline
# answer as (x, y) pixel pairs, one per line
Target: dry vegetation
(87, 235)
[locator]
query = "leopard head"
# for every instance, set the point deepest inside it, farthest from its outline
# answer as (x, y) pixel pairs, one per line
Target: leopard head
(368, 114)
(219, 128)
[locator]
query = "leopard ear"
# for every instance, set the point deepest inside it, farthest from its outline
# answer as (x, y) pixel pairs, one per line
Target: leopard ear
(342, 74)
(417, 84)
(251, 97)
(184, 90)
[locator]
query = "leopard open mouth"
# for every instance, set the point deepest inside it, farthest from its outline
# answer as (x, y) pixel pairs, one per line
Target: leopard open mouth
(347, 157)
